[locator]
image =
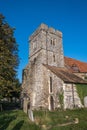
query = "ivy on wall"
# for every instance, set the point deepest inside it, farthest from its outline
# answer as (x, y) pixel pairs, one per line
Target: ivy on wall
(61, 99)
(85, 77)
(82, 91)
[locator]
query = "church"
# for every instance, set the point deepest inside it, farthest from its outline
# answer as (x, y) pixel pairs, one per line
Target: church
(49, 79)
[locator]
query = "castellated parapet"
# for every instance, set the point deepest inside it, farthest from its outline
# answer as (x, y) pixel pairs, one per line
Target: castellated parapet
(47, 29)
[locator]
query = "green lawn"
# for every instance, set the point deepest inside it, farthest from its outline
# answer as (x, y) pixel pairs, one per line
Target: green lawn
(54, 120)
(18, 120)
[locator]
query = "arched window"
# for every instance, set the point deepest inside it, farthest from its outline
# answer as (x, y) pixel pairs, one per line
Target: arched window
(50, 84)
(54, 42)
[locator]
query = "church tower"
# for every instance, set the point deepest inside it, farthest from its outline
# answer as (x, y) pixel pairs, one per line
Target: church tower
(45, 49)
(48, 43)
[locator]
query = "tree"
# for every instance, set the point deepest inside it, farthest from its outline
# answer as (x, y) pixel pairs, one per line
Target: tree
(9, 59)
(16, 89)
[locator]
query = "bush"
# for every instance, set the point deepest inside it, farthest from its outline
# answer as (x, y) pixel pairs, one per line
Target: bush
(9, 105)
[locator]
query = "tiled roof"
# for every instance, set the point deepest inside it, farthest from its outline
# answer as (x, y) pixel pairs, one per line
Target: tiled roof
(75, 65)
(65, 75)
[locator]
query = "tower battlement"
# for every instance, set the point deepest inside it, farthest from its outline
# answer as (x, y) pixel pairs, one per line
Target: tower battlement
(47, 29)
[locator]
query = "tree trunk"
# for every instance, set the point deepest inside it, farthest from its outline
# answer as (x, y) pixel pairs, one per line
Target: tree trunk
(0, 107)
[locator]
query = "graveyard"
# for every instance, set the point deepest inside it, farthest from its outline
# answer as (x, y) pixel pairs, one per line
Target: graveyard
(44, 120)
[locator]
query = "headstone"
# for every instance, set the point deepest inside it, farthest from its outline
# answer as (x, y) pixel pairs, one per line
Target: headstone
(30, 115)
(85, 101)
(76, 120)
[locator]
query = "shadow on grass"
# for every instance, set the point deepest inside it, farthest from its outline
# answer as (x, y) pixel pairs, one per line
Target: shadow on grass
(4, 123)
(18, 125)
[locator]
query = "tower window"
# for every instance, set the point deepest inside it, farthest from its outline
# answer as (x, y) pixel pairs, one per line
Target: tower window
(34, 60)
(34, 45)
(50, 84)
(54, 58)
(51, 41)
(54, 42)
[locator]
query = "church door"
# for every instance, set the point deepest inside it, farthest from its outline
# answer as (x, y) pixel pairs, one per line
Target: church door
(51, 103)
(28, 106)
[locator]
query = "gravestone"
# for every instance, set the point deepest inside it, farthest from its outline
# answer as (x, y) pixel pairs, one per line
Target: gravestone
(85, 101)
(30, 115)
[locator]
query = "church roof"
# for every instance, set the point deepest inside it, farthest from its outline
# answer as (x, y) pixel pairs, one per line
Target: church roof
(75, 65)
(66, 75)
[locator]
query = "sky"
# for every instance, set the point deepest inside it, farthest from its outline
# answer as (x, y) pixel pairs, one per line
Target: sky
(68, 16)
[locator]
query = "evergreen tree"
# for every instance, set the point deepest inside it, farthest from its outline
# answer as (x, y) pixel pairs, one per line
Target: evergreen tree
(16, 90)
(8, 58)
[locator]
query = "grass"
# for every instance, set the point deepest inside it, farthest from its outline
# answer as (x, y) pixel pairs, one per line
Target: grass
(16, 120)
(44, 120)
(54, 120)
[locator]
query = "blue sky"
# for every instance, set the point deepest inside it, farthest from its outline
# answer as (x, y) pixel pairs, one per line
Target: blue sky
(68, 16)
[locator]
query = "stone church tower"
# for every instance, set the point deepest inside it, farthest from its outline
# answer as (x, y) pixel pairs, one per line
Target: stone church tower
(45, 48)
(41, 84)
